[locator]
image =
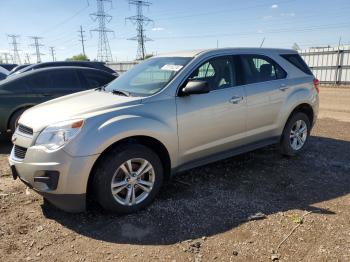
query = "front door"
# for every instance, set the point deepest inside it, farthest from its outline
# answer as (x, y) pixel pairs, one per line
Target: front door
(213, 122)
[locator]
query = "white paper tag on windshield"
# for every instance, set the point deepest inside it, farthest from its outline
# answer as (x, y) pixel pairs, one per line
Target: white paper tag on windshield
(172, 67)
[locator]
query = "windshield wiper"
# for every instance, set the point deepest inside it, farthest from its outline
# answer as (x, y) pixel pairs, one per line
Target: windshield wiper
(101, 88)
(120, 92)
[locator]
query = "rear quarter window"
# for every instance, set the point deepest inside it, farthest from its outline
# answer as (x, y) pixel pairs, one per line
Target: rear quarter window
(298, 62)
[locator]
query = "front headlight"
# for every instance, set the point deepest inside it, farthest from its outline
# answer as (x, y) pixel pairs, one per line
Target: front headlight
(57, 135)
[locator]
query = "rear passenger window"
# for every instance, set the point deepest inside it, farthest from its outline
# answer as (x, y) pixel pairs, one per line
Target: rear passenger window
(65, 79)
(297, 61)
(258, 68)
(39, 80)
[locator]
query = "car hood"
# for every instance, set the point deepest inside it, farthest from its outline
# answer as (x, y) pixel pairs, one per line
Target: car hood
(79, 105)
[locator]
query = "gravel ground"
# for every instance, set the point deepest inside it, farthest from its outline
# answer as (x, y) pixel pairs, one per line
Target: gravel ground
(238, 209)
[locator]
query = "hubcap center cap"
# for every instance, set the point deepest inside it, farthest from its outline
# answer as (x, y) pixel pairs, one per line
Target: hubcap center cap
(132, 180)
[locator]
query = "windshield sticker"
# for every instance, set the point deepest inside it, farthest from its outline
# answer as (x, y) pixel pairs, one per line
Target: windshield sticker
(172, 67)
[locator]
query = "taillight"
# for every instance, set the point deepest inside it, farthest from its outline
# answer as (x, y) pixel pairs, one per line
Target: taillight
(316, 85)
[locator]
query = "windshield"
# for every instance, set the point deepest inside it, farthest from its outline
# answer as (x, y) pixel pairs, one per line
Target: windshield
(148, 77)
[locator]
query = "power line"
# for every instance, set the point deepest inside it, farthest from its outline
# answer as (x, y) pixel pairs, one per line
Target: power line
(82, 39)
(37, 46)
(65, 20)
(104, 51)
(52, 50)
(278, 31)
(140, 21)
(14, 43)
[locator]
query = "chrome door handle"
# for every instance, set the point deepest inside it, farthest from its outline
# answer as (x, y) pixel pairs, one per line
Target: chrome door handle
(236, 99)
(283, 87)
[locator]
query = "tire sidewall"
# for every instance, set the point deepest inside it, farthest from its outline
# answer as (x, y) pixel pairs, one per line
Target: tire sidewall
(285, 143)
(111, 163)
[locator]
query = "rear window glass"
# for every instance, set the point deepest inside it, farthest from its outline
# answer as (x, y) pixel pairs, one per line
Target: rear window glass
(258, 68)
(297, 61)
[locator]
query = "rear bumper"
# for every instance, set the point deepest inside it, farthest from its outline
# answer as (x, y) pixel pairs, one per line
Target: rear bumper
(57, 176)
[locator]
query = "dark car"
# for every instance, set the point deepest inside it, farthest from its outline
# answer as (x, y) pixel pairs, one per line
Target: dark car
(19, 92)
(8, 67)
(90, 64)
(17, 68)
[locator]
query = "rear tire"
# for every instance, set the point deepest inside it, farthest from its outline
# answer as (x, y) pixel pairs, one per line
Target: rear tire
(127, 179)
(295, 135)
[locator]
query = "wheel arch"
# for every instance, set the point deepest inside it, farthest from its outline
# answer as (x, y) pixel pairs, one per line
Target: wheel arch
(19, 108)
(303, 108)
(150, 142)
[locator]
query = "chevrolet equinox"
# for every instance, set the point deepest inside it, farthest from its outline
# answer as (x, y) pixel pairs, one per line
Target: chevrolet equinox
(118, 143)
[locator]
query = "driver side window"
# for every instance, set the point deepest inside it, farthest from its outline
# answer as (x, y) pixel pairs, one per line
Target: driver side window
(217, 72)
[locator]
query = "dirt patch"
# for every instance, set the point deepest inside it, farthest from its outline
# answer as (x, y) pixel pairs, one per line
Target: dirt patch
(206, 216)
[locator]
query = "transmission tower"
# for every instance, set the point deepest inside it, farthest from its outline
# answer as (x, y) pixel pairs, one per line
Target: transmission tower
(52, 51)
(7, 57)
(141, 22)
(14, 43)
(37, 46)
(27, 58)
(104, 51)
(82, 39)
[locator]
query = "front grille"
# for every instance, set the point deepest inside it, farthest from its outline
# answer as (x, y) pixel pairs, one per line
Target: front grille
(25, 130)
(20, 152)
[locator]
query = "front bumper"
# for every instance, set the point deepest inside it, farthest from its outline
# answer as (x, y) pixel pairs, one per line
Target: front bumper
(57, 176)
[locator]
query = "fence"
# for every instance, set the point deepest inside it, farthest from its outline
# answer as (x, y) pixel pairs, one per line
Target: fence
(331, 65)
(122, 67)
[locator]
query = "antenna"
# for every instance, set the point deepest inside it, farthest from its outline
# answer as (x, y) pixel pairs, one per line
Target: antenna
(262, 42)
(104, 51)
(140, 21)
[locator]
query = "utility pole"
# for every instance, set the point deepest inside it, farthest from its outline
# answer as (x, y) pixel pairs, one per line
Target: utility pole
(82, 39)
(37, 46)
(52, 50)
(14, 43)
(104, 51)
(140, 21)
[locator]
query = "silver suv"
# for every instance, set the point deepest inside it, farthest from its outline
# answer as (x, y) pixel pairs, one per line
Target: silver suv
(117, 144)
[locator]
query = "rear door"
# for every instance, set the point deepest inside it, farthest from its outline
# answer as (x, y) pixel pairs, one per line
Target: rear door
(39, 87)
(213, 122)
(265, 85)
(46, 85)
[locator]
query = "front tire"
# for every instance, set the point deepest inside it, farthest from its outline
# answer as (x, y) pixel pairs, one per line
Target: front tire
(128, 178)
(14, 120)
(295, 134)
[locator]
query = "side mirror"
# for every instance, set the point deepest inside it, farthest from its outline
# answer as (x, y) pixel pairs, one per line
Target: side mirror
(196, 87)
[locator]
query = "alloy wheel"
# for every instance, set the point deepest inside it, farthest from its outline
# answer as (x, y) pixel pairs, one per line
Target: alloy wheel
(298, 134)
(133, 181)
